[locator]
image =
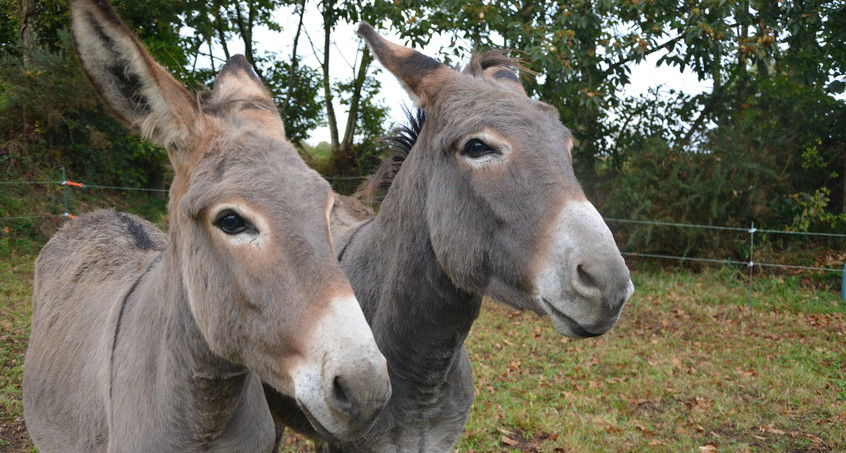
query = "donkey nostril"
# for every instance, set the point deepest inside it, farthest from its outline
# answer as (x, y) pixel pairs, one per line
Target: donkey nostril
(340, 394)
(586, 278)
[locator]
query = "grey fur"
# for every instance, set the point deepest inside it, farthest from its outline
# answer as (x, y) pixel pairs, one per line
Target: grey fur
(149, 342)
(510, 225)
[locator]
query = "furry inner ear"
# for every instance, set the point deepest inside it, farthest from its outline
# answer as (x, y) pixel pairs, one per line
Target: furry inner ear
(138, 91)
(422, 77)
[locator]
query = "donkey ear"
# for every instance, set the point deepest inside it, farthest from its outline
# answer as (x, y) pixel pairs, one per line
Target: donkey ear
(506, 77)
(238, 80)
(138, 91)
(496, 66)
(422, 77)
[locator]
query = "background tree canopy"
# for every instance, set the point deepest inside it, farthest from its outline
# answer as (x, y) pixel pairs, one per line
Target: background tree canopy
(767, 143)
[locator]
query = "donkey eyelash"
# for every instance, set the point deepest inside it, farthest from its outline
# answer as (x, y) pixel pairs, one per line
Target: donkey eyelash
(231, 222)
(476, 148)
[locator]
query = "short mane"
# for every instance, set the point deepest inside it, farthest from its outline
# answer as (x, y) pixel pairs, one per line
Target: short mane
(401, 139)
(398, 144)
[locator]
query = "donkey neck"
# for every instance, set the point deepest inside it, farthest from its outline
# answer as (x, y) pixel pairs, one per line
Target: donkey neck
(419, 317)
(196, 391)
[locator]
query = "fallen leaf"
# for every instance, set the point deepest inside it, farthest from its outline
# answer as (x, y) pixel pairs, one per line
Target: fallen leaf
(814, 438)
(509, 441)
(770, 429)
(613, 430)
(645, 431)
(709, 448)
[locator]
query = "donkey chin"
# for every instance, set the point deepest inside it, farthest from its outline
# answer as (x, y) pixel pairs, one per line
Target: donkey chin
(584, 283)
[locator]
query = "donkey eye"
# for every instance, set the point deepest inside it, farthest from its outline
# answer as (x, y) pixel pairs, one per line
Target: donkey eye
(476, 148)
(231, 223)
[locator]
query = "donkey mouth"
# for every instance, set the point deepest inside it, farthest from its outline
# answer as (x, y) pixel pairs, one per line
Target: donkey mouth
(576, 329)
(321, 430)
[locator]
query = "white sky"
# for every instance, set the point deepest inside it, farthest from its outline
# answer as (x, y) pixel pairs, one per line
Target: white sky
(346, 45)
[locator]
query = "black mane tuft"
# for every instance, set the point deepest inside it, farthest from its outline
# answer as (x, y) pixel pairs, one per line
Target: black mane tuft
(398, 144)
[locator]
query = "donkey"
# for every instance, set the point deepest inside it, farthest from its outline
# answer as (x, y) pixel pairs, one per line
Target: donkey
(148, 342)
(484, 204)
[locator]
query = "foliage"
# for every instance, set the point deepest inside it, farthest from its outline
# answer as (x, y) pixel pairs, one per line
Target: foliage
(50, 118)
(775, 67)
(302, 111)
(815, 215)
(767, 142)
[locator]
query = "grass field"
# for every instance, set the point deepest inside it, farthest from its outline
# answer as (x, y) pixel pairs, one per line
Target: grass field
(689, 368)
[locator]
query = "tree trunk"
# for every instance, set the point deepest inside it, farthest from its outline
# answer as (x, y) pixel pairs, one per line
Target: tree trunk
(292, 77)
(358, 85)
(328, 24)
(588, 116)
(221, 31)
(27, 30)
(344, 156)
(245, 28)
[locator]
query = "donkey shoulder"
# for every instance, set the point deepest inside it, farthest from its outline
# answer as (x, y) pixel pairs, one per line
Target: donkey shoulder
(348, 212)
(104, 245)
(110, 231)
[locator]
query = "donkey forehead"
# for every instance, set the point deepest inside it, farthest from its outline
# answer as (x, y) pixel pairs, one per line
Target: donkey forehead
(479, 104)
(259, 168)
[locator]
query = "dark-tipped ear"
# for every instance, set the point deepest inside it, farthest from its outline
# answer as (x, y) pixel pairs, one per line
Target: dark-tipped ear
(496, 66)
(238, 81)
(506, 77)
(422, 77)
(136, 89)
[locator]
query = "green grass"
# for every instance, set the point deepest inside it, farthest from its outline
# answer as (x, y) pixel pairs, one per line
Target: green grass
(688, 369)
(15, 311)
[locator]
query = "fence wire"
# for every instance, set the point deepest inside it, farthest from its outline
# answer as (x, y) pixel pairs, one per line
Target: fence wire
(80, 185)
(751, 231)
(64, 183)
(28, 217)
(724, 228)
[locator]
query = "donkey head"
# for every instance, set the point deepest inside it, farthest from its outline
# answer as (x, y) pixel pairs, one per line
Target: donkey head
(505, 214)
(250, 245)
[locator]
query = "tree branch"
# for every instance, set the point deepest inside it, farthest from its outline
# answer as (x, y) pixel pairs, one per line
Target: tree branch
(634, 56)
(294, 60)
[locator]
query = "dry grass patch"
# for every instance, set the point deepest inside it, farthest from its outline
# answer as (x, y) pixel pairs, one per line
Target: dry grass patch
(688, 368)
(15, 313)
